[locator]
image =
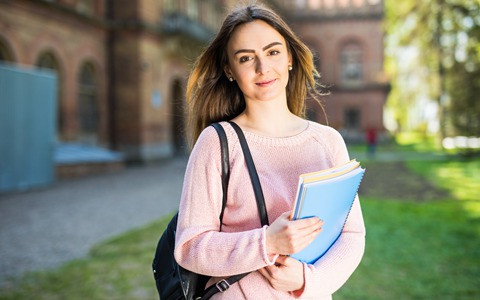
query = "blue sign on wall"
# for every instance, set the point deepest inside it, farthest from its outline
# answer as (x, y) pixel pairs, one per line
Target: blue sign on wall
(27, 127)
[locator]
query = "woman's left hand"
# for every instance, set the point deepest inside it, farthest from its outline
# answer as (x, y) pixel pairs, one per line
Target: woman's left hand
(286, 275)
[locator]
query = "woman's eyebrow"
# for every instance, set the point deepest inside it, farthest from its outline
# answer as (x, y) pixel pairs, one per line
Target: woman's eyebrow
(253, 51)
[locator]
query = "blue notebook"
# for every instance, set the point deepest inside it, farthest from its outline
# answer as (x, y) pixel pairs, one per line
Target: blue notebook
(329, 195)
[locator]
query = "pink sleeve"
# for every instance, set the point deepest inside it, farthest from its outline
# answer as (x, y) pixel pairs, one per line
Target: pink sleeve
(333, 269)
(199, 245)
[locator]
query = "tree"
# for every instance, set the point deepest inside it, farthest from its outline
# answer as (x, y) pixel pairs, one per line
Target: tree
(446, 33)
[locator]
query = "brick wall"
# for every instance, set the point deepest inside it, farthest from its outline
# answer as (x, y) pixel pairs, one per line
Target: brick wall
(31, 28)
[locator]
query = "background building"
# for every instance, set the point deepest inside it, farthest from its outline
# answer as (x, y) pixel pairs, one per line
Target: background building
(122, 65)
(121, 69)
(347, 39)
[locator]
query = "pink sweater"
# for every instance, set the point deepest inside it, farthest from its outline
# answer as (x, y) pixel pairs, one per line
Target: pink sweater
(240, 247)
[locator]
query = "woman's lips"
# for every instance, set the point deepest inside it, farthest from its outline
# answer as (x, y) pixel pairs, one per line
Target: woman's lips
(265, 83)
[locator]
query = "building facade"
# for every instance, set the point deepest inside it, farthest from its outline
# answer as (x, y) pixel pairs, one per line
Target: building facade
(347, 39)
(122, 65)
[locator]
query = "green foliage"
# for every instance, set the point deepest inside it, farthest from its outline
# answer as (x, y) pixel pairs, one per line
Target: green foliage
(446, 34)
(464, 90)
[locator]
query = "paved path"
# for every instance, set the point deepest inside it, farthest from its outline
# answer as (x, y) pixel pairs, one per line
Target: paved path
(44, 228)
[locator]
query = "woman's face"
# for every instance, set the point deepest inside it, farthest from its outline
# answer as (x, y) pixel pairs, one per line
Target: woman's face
(258, 60)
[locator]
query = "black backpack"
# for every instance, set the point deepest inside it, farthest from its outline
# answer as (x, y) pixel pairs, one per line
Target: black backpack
(175, 282)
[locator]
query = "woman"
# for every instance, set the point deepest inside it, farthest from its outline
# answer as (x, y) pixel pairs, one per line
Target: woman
(257, 73)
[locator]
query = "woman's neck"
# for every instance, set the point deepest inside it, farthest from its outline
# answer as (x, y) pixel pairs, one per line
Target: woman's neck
(270, 119)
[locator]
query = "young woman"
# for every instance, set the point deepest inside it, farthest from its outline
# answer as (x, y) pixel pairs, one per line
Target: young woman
(257, 73)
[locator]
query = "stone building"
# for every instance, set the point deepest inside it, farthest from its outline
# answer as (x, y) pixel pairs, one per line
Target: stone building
(122, 65)
(347, 39)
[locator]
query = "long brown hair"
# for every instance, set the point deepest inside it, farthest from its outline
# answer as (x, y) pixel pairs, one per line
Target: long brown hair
(211, 97)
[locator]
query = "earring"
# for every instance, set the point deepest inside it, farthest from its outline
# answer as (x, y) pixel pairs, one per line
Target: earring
(230, 78)
(290, 67)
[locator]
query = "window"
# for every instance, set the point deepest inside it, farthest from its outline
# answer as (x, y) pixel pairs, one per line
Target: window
(352, 118)
(351, 64)
(47, 60)
(5, 55)
(87, 105)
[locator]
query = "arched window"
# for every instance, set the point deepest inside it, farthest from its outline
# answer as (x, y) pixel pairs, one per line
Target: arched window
(48, 61)
(352, 118)
(5, 54)
(87, 106)
(351, 64)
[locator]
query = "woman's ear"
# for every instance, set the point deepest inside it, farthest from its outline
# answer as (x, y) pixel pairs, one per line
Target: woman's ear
(228, 72)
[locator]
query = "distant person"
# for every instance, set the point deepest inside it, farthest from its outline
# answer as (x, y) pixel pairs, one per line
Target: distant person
(371, 139)
(257, 73)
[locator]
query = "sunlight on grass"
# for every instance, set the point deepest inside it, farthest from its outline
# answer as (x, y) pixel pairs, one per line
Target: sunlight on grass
(461, 178)
(417, 141)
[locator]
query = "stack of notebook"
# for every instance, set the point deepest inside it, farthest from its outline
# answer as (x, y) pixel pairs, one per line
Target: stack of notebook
(328, 195)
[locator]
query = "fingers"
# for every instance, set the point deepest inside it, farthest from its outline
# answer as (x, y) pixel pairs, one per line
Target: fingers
(285, 275)
(304, 229)
(305, 240)
(313, 222)
(281, 259)
(287, 261)
(287, 237)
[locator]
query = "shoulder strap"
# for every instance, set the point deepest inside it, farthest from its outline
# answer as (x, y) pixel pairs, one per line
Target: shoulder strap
(257, 187)
(225, 166)
(225, 284)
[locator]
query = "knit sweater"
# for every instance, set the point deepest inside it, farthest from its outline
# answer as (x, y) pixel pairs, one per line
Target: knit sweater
(241, 245)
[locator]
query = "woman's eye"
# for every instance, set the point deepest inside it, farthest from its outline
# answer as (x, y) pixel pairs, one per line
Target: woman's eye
(274, 52)
(245, 59)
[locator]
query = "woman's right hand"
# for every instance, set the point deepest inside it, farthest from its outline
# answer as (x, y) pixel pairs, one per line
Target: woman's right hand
(286, 237)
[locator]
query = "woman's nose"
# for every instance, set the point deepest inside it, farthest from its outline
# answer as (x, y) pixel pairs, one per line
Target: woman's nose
(262, 65)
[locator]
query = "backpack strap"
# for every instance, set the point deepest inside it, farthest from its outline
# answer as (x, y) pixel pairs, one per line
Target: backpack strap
(225, 284)
(257, 187)
(225, 167)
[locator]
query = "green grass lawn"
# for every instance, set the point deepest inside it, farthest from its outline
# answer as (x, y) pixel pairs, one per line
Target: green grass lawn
(415, 250)
(423, 250)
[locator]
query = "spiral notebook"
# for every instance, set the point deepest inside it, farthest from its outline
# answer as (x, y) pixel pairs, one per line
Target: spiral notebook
(329, 195)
